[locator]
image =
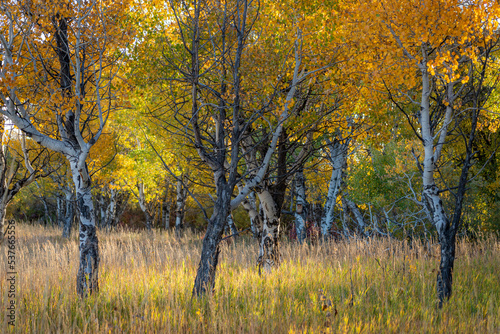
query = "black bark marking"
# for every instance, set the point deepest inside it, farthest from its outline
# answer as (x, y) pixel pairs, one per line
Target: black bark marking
(84, 209)
(88, 272)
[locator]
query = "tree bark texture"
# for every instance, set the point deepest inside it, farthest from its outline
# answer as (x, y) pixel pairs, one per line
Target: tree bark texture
(231, 226)
(3, 210)
(358, 216)
(166, 207)
(302, 207)
(338, 157)
(69, 213)
(205, 276)
(88, 271)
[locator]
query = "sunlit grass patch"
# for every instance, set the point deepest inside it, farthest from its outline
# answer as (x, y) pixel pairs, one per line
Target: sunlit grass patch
(146, 282)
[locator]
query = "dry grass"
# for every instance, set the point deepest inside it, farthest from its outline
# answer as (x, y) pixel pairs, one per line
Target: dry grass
(146, 281)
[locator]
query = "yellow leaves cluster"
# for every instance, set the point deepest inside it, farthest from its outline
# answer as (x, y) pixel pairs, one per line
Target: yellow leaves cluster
(393, 39)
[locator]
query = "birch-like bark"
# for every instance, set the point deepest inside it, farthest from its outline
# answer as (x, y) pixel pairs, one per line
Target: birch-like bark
(255, 217)
(302, 207)
(269, 243)
(59, 211)
(111, 208)
(166, 208)
(83, 62)
(214, 149)
(47, 218)
(250, 206)
(3, 211)
(88, 271)
(9, 167)
(358, 216)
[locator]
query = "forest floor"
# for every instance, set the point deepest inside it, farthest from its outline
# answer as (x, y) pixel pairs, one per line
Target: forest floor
(146, 280)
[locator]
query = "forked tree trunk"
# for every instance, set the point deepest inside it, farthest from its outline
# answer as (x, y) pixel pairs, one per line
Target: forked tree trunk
(205, 276)
(269, 243)
(87, 280)
(301, 211)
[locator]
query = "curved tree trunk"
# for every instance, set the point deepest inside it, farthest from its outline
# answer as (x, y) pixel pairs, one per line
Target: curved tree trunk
(3, 209)
(302, 208)
(69, 214)
(430, 193)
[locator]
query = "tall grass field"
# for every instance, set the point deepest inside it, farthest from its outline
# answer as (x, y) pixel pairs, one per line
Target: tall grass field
(146, 281)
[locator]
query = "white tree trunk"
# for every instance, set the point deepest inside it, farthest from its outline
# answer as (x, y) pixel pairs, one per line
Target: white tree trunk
(268, 251)
(180, 204)
(111, 209)
(338, 156)
(231, 226)
(166, 207)
(302, 208)
(166, 214)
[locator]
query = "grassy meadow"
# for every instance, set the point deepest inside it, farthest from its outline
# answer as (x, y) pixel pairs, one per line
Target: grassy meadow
(146, 279)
